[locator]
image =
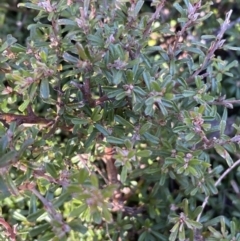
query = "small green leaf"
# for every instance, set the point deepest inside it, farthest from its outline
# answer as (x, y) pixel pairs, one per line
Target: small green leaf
(225, 114)
(17, 48)
(96, 115)
(44, 89)
(30, 5)
(185, 206)
(121, 95)
(64, 21)
(123, 121)
(162, 179)
(145, 128)
(24, 146)
(174, 232)
(156, 86)
(10, 41)
(193, 224)
(138, 7)
(50, 168)
(11, 186)
(147, 79)
(114, 140)
(179, 8)
(206, 16)
(127, 226)
(159, 235)
(81, 51)
(193, 171)
(180, 129)
(35, 231)
(43, 56)
(188, 93)
(234, 63)
(96, 40)
(216, 234)
(172, 67)
(189, 136)
(144, 153)
(162, 108)
(128, 144)
(210, 184)
(69, 58)
(18, 216)
(151, 170)
(233, 228)
(34, 216)
(181, 234)
(123, 175)
(224, 154)
(8, 158)
(102, 130)
(5, 68)
(182, 20)
(78, 211)
(106, 214)
(33, 204)
(97, 217)
(194, 50)
(16, 77)
(139, 91)
(149, 101)
(94, 180)
(151, 138)
(24, 105)
(117, 77)
(142, 237)
(77, 121)
(81, 175)
(32, 90)
(227, 47)
(223, 225)
(64, 197)
(76, 226)
(197, 211)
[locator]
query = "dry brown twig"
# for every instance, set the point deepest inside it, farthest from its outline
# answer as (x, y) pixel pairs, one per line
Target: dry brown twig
(10, 231)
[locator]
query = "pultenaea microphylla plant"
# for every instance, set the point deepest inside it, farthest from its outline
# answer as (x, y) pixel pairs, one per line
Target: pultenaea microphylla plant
(105, 136)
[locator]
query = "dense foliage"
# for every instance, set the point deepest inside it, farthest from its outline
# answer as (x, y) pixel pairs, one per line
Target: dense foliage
(118, 120)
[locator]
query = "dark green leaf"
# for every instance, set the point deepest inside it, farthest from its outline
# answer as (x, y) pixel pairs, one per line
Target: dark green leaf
(114, 140)
(8, 158)
(44, 89)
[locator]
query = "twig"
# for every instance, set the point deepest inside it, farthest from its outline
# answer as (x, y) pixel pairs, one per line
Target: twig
(37, 173)
(216, 184)
(49, 208)
(109, 160)
(192, 17)
(210, 143)
(10, 232)
(21, 119)
(155, 16)
(226, 103)
(217, 44)
(230, 25)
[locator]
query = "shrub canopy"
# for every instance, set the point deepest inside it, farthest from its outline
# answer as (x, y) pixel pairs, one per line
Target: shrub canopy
(115, 122)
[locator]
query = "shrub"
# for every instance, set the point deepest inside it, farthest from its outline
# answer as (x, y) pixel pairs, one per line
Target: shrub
(107, 115)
